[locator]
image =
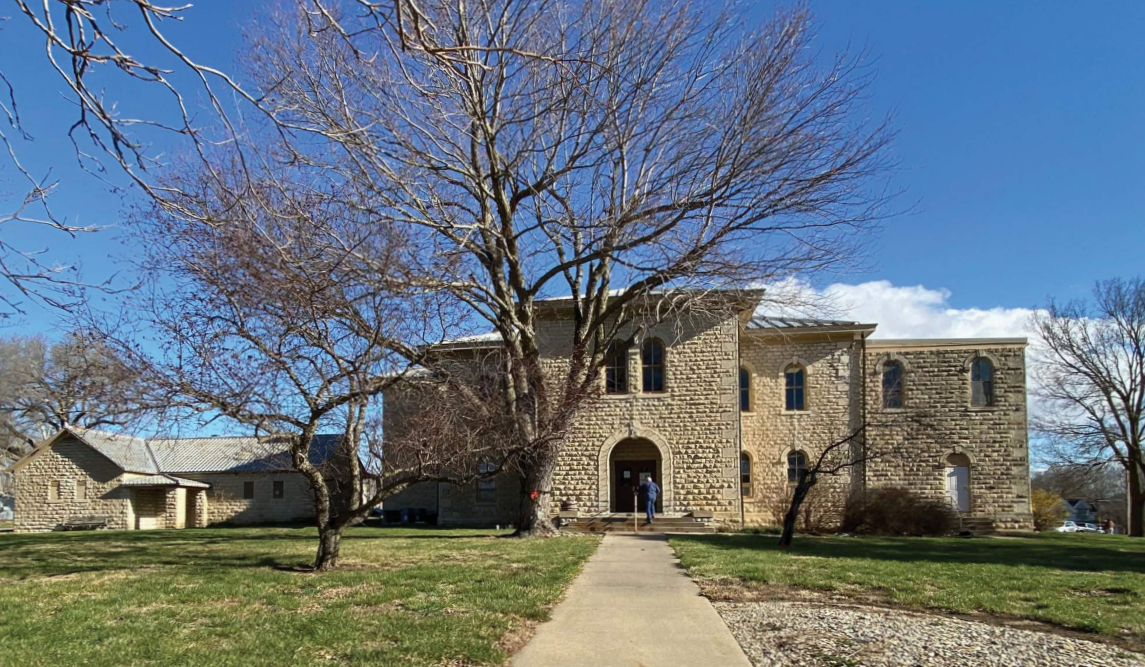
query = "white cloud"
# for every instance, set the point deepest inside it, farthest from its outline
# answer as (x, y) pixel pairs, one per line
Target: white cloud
(905, 312)
(899, 311)
(921, 312)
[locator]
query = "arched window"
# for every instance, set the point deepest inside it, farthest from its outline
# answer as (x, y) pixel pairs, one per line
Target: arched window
(892, 385)
(616, 370)
(795, 381)
(652, 364)
(745, 474)
(981, 383)
(796, 466)
(744, 390)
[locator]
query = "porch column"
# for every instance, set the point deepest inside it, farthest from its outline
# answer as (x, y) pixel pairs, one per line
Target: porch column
(198, 502)
(170, 508)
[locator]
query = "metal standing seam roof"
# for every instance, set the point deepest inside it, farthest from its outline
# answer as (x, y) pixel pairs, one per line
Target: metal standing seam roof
(159, 456)
(165, 480)
(775, 322)
(128, 452)
(235, 454)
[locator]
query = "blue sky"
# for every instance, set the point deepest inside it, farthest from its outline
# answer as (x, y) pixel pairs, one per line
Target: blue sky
(1022, 147)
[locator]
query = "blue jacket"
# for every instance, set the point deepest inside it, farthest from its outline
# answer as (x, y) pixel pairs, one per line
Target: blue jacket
(650, 489)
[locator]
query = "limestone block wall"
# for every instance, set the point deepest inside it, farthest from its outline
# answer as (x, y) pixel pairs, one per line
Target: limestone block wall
(419, 496)
(225, 502)
(150, 507)
(460, 506)
(770, 431)
(693, 424)
(995, 439)
(67, 462)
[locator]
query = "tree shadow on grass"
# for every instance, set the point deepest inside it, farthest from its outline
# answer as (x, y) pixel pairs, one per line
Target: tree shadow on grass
(59, 554)
(1073, 555)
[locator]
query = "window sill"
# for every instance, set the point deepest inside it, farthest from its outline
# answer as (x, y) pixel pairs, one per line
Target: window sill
(616, 397)
(653, 394)
(794, 413)
(986, 408)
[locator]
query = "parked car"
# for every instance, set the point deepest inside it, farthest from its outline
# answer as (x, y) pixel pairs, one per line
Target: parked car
(1090, 528)
(1066, 527)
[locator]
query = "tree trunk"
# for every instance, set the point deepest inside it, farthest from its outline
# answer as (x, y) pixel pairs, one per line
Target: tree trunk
(535, 516)
(789, 519)
(1136, 518)
(329, 547)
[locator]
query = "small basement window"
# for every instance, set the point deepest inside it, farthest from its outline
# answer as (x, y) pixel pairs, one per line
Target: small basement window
(248, 490)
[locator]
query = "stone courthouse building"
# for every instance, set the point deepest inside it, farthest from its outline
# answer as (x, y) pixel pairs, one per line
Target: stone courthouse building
(726, 411)
(85, 477)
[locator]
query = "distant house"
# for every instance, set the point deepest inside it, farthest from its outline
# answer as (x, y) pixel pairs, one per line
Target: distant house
(1080, 511)
(129, 483)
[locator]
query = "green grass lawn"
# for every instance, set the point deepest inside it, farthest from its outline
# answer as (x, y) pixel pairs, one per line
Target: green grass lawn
(1093, 583)
(236, 597)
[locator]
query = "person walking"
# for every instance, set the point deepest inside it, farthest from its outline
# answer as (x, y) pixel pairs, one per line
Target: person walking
(651, 492)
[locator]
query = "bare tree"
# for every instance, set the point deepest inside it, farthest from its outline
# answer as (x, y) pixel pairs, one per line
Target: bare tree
(74, 382)
(846, 455)
(633, 155)
(1090, 370)
(277, 305)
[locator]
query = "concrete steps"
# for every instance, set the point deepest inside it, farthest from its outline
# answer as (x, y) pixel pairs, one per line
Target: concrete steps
(623, 523)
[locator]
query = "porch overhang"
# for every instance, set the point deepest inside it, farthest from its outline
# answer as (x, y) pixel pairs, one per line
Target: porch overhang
(164, 481)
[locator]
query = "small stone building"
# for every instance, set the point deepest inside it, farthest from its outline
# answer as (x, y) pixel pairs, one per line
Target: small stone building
(129, 483)
(726, 411)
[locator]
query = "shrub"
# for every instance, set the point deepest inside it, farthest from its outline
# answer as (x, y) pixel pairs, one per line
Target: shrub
(821, 511)
(896, 511)
(1048, 509)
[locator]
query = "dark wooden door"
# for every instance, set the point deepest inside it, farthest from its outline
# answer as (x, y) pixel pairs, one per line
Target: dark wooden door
(629, 474)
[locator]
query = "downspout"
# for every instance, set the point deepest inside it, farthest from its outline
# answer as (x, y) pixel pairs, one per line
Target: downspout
(863, 403)
(739, 431)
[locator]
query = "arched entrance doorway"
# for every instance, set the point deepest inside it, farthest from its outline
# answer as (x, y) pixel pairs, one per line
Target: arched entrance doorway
(631, 462)
(958, 482)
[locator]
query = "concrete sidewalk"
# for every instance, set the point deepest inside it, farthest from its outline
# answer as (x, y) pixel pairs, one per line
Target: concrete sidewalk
(633, 606)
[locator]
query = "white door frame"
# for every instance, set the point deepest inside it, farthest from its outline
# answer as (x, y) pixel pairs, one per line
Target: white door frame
(958, 487)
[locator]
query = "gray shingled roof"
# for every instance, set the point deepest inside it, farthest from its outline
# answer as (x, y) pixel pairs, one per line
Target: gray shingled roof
(775, 322)
(165, 480)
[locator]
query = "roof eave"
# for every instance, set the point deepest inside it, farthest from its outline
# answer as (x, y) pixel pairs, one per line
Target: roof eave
(948, 342)
(857, 328)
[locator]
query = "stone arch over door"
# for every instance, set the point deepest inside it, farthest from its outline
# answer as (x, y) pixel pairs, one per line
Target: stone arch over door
(667, 468)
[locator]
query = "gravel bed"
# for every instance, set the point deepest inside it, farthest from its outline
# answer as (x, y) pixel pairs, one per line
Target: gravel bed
(802, 634)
